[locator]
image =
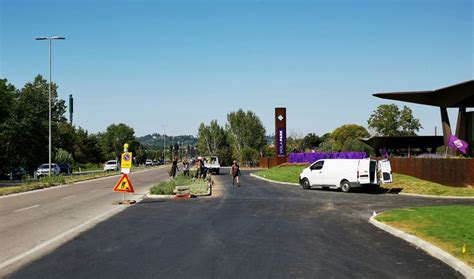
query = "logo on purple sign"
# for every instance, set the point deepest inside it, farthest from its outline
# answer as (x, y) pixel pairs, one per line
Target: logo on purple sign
(281, 152)
(126, 157)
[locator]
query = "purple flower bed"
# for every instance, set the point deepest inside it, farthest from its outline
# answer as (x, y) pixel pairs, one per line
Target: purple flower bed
(311, 157)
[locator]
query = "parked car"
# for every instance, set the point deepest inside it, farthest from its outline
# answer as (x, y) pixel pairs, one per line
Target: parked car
(148, 163)
(15, 173)
(345, 174)
(43, 170)
(65, 168)
(111, 165)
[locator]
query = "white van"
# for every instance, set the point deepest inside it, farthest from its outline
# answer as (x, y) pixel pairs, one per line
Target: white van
(346, 173)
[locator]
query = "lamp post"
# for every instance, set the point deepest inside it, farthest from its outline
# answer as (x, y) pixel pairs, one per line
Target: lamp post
(49, 125)
(164, 141)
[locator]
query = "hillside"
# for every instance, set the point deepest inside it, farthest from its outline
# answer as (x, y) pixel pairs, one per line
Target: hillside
(155, 141)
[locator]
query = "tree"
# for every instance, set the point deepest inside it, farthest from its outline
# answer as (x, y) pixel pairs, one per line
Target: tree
(311, 141)
(114, 138)
(211, 138)
(7, 103)
(346, 138)
(25, 133)
(245, 130)
(388, 120)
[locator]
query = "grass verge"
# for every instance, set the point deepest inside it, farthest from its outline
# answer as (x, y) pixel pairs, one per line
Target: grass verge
(402, 183)
(413, 185)
(289, 174)
(448, 227)
(198, 186)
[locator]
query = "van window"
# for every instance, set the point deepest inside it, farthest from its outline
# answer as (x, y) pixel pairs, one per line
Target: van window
(317, 166)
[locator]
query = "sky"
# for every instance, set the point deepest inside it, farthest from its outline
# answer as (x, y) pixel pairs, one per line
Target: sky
(181, 63)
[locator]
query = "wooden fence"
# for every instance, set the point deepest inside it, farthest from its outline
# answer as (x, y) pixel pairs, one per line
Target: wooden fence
(451, 172)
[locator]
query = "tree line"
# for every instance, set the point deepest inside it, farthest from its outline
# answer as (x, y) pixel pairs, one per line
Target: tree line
(24, 131)
(243, 136)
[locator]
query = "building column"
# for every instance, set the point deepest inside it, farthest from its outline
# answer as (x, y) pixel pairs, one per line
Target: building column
(461, 125)
(445, 124)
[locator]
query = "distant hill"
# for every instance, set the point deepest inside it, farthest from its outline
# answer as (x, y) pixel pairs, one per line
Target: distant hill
(155, 141)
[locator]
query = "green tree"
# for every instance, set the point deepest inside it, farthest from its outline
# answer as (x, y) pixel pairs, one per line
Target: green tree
(346, 138)
(211, 138)
(245, 130)
(7, 103)
(311, 141)
(114, 138)
(389, 120)
(25, 134)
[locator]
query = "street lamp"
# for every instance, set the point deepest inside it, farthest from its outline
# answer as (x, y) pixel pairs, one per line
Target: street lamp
(49, 39)
(164, 141)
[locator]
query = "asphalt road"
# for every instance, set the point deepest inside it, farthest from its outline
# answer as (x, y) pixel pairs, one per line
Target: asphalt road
(260, 230)
(36, 222)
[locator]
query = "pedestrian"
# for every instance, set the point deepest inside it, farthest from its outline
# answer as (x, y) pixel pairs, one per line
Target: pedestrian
(174, 168)
(198, 166)
(186, 168)
(235, 172)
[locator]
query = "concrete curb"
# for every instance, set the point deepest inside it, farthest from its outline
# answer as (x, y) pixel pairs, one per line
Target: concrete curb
(429, 248)
(273, 181)
(436, 197)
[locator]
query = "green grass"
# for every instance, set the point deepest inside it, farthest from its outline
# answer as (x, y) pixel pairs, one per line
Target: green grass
(282, 173)
(448, 227)
(198, 186)
(402, 183)
(413, 185)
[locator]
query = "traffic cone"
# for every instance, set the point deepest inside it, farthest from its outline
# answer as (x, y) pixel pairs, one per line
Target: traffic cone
(464, 249)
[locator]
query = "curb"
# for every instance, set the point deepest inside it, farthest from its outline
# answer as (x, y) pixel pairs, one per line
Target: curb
(429, 248)
(273, 181)
(436, 197)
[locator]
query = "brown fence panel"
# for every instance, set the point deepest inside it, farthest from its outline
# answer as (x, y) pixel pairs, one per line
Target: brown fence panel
(270, 162)
(451, 172)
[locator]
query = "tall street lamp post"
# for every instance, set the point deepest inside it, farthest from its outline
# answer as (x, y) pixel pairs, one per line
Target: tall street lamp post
(49, 39)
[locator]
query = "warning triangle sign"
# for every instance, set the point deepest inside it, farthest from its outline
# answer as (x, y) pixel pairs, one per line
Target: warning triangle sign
(124, 185)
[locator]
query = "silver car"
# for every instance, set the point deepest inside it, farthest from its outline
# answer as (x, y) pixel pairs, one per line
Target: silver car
(111, 165)
(43, 170)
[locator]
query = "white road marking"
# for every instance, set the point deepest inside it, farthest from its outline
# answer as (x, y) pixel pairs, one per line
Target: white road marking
(26, 208)
(58, 237)
(68, 197)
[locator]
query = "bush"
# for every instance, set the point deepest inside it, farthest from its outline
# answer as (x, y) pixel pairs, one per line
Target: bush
(198, 186)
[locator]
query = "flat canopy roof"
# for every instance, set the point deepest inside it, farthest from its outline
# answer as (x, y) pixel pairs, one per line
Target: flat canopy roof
(404, 142)
(454, 96)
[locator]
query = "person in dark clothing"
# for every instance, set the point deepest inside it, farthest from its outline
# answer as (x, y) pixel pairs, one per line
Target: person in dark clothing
(174, 168)
(235, 172)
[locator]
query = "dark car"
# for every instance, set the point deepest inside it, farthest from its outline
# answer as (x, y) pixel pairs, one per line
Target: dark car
(16, 173)
(65, 168)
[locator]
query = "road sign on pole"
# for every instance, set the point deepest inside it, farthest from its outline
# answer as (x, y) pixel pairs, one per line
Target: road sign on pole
(124, 185)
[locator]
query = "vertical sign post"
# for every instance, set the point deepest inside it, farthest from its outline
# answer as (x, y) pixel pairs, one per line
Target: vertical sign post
(280, 135)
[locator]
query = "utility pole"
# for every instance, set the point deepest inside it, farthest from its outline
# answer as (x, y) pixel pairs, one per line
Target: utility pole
(164, 140)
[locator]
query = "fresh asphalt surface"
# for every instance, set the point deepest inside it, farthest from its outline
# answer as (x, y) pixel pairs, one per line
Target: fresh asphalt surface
(260, 230)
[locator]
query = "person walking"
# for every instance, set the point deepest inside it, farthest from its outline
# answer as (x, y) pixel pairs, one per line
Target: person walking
(186, 168)
(235, 172)
(174, 168)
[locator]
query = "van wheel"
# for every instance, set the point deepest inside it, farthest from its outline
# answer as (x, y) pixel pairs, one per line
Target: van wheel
(345, 186)
(305, 184)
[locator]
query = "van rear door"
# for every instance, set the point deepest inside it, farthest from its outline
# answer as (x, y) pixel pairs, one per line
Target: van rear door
(386, 169)
(363, 171)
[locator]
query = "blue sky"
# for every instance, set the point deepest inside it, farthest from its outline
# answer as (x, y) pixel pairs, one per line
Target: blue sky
(180, 63)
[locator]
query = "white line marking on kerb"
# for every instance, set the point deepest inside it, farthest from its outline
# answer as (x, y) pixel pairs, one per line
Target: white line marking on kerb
(54, 239)
(26, 208)
(68, 197)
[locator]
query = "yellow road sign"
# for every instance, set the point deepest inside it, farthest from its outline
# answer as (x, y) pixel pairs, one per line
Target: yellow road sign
(126, 160)
(124, 185)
